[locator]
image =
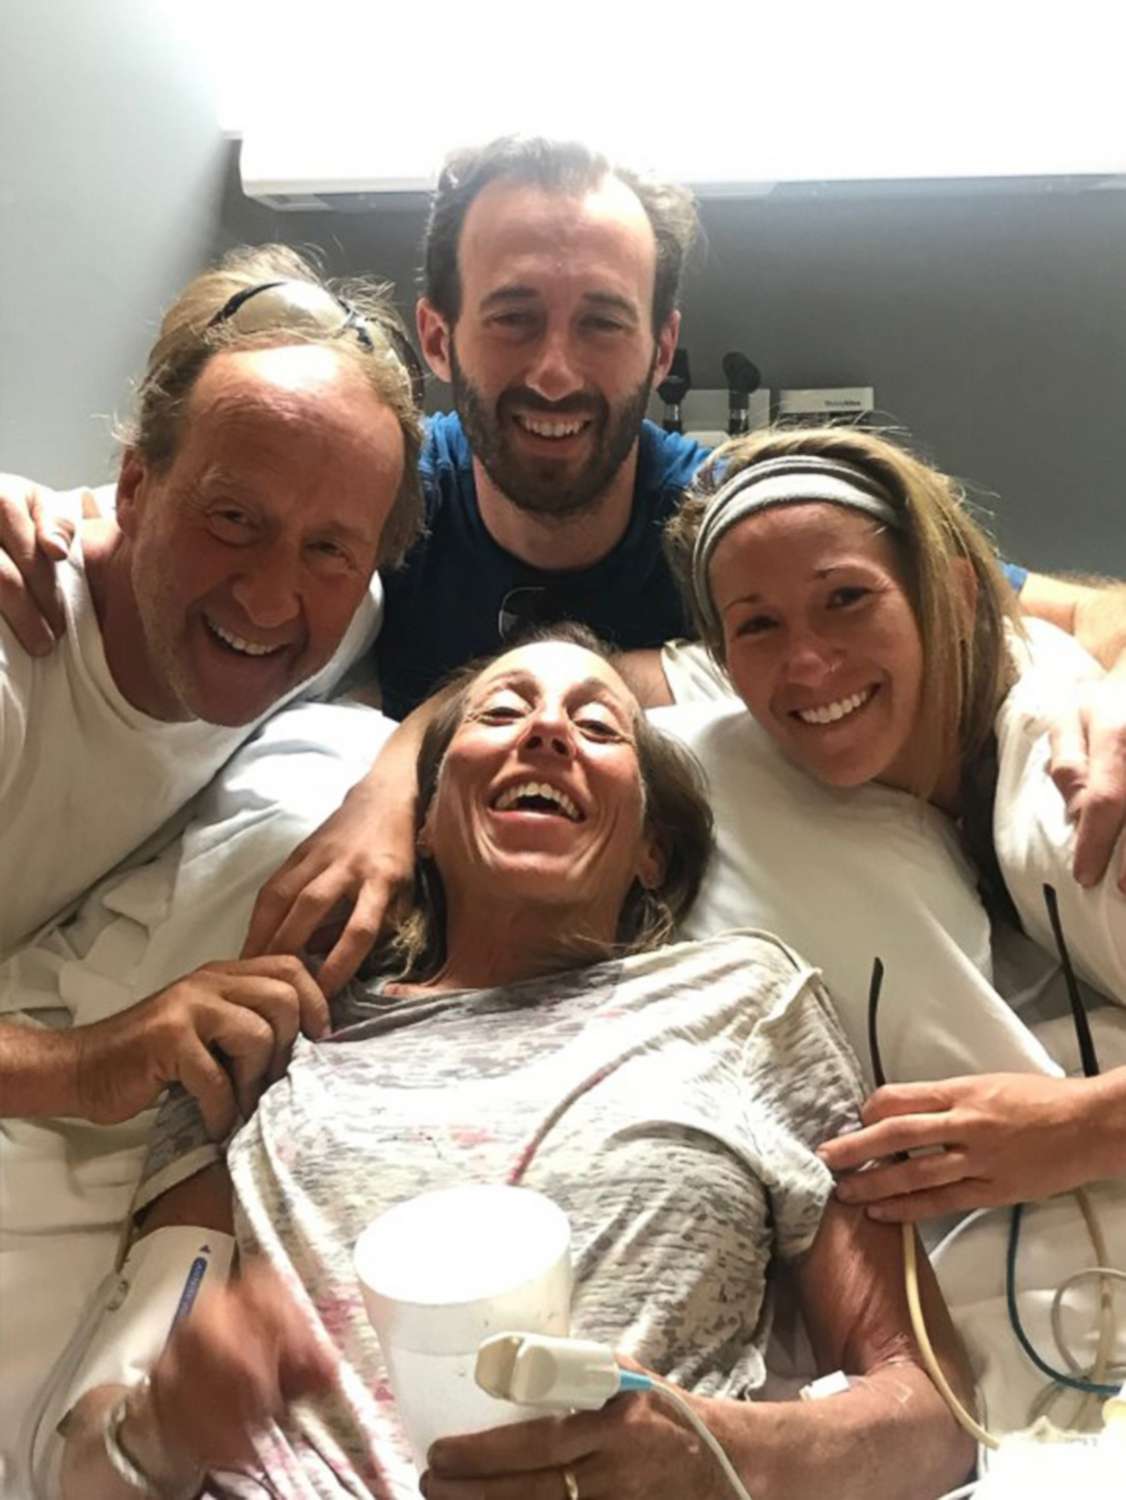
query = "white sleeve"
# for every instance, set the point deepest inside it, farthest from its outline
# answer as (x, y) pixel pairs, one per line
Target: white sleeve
(693, 674)
(1035, 840)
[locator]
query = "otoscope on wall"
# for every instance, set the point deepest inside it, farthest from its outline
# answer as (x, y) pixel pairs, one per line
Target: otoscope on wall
(743, 379)
(673, 389)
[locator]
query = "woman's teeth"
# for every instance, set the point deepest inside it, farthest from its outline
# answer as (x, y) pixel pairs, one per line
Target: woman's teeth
(537, 789)
(236, 642)
(829, 713)
(543, 428)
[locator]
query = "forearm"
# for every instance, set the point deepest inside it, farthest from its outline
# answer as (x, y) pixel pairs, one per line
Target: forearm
(890, 1435)
(1092, 610)
(1105, 1132)
(1088, 1126)
(390, 788)
(38, 1071)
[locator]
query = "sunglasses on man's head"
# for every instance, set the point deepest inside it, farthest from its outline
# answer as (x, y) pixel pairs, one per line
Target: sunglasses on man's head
(283, 303)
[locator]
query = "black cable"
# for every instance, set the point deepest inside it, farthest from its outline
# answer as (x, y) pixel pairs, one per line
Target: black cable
(1090, 1062)
(875, 984)
(1083, 1035)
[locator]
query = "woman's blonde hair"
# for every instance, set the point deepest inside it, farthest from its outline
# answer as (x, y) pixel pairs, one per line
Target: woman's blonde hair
(201, 323)
(967, 668)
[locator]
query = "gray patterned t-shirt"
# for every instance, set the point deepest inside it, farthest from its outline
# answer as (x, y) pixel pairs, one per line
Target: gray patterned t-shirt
(668, 1102)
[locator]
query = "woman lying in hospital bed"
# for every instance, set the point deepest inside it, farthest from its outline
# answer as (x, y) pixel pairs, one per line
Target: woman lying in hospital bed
(531, 1026)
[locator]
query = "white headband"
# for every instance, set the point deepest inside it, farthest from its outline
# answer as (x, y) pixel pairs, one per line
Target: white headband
(800, 479)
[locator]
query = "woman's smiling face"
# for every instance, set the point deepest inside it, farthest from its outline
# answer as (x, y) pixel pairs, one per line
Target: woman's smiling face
(540, 791)
(821, 641)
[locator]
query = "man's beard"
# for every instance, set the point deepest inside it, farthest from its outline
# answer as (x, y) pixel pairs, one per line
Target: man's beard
(540, 486)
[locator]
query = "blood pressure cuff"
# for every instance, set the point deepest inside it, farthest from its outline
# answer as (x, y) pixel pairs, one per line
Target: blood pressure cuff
(126, 1329)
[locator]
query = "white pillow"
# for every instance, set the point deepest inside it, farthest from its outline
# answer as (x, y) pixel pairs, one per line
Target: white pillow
(844, 877)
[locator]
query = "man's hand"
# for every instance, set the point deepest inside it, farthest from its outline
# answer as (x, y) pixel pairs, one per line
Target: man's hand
(224, 1032)
(1088, 765)
(996, 1138)
(363, 855)
(37, 528)
(634, 1448)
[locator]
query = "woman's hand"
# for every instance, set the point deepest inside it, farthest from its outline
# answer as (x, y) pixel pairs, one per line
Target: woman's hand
(363, 855)
(37, 528)
(1088, 766)
(993, 1139)
(634, 1448)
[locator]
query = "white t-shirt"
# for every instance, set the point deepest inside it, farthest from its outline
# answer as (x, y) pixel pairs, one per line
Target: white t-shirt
(845, 877)
(670, 1103)
(84, 776)
(693, 674)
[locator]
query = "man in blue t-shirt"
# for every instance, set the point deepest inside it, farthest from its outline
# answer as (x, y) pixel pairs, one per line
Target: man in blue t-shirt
(551, 284)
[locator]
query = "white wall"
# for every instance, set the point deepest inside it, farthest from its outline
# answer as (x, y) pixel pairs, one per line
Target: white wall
(111, 171)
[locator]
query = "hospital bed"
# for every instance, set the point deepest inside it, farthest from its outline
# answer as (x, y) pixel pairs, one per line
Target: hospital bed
(67, 1186)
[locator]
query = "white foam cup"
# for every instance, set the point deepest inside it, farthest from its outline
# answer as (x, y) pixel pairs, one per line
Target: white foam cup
(444, 1271)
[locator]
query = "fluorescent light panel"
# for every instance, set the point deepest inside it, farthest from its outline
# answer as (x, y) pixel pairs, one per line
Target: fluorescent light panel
(707, 92)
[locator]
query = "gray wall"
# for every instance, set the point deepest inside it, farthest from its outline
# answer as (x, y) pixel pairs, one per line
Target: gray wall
(991, 320)
(111, 178)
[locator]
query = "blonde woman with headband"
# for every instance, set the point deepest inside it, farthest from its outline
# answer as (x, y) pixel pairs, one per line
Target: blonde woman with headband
(857, 609)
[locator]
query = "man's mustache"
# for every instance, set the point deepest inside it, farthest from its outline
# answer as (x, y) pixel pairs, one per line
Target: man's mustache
(577, 405)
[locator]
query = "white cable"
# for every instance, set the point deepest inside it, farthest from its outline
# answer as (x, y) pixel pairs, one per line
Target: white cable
(964, 1418)
(1107, 1273)
(1087, 1415)
(964, 1493)
(674, 1398)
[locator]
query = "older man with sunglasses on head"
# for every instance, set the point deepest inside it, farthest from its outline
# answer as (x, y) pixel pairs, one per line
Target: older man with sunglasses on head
(271, 467)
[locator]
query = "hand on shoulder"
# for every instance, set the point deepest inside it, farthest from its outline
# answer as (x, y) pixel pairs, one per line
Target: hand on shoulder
(37, 529)
(224, 1032)
(987, 1140)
